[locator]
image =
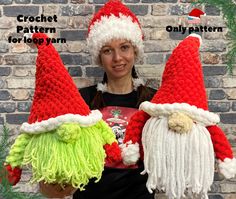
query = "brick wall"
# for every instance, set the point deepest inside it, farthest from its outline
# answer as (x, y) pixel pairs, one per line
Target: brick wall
(17, 61)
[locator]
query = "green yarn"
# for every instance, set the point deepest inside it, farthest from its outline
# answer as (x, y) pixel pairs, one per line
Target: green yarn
(107, 133)
(16, 154)
(68, 132)
(71, 157)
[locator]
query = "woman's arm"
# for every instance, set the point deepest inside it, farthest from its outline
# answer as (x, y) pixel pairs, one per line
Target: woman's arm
(132, 148)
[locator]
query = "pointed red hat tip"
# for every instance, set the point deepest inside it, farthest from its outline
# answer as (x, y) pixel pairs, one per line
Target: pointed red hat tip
(197, 36)
(55, 93)
(183, 76)
(42, 37)
(182, 87)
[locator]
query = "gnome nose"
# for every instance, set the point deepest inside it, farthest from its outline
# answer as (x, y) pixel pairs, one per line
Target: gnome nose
(180, 122)
(68, 132)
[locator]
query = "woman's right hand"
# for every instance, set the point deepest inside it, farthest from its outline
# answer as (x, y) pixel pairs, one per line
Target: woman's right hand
(56, 190)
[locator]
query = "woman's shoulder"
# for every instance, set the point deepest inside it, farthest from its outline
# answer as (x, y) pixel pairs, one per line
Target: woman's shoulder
(151, 92)
(88, 93)
(88, 89)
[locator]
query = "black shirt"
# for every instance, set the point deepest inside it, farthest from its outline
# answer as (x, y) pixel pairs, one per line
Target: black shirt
(124, 100)
(116, 183)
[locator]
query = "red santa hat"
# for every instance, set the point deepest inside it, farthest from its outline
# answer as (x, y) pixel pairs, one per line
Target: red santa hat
(196, 13)
(182, 87)
(114, 21)
(56, 98)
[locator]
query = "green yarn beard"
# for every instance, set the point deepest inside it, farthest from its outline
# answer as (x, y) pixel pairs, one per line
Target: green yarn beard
(71, 154)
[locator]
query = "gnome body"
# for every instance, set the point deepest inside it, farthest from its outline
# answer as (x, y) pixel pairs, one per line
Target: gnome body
(178, 133)
(63, 141)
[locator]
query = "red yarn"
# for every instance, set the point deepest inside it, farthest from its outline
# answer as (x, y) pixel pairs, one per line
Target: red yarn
(55, 92)
(134, 129)
(113, 152)
(13, 175)
(221, 145)
(113, 7)
(182, 80)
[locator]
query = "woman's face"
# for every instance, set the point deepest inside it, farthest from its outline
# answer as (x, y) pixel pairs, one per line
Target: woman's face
(117, 58)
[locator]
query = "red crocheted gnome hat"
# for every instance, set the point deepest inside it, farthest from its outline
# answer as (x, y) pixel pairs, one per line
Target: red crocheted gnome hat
(56, 97)
(182, 87)
(114, 21)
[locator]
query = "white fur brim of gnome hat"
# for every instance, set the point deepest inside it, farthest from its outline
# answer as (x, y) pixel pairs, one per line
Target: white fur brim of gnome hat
(54, 123)
(197, 114)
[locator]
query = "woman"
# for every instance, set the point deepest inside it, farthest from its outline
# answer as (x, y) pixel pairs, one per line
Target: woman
(118, 98)
(115, 41)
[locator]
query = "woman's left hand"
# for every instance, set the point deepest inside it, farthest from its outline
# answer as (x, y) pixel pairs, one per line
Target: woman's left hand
(56, 190)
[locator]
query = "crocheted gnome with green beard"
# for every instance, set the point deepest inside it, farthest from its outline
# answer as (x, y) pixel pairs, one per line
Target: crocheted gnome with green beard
(63, 141)
(178, 132)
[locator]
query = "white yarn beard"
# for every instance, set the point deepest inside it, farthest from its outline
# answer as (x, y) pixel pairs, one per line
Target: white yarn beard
(177, 163)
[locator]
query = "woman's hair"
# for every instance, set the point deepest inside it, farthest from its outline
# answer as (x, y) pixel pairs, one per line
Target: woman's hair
(143, 93)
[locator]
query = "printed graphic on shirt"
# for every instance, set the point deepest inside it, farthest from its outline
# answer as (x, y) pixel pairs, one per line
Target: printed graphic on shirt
(118, 118)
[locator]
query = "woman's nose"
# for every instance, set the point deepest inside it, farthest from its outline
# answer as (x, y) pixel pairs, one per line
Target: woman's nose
(117, 55)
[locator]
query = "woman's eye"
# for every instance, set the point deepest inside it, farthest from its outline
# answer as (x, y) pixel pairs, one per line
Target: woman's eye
(106, 51)
(125, 47)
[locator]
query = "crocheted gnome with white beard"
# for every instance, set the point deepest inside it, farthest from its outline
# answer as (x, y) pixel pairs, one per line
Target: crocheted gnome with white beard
(177, 131)
(63, 141)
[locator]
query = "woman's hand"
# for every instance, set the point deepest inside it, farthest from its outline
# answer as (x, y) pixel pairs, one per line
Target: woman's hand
(56, 190)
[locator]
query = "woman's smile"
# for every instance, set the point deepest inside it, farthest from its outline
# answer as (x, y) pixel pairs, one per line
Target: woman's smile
(119, 67)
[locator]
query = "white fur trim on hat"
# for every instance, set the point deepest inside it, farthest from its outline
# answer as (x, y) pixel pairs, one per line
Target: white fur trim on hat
(113, 27)
(228, 167)
(130, 153)
(53, 123)
(197, 114)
